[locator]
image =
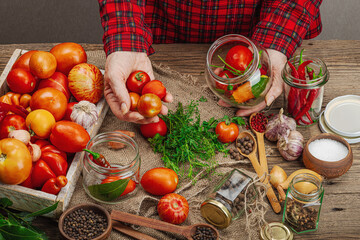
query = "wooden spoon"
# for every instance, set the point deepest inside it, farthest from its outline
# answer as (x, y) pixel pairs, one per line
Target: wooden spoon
(261, 145)
(260, 171)
(187, 231)
(130, 231)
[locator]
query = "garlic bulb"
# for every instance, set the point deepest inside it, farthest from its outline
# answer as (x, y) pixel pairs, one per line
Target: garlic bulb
(84, 113)
(21, 135)
(35, 151)
(291, 145)
(278, 126)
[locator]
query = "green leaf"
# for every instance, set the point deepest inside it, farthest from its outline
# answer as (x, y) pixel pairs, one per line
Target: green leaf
(4, 222)
(43, 211)
(203, 99)
(238, 120)
(17, 232)
(1, 237)
(5, 202)
(108, 191)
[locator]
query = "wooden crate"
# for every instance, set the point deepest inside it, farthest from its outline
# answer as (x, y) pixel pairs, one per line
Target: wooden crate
(31, 200)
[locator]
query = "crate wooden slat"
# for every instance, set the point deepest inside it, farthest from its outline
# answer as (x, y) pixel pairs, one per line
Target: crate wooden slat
(31, 200)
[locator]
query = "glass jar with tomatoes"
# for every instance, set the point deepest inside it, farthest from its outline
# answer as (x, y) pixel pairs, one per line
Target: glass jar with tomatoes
(111, 168)
(238, 71)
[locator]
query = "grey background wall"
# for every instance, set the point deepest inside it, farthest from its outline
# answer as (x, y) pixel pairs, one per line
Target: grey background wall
(37, 21)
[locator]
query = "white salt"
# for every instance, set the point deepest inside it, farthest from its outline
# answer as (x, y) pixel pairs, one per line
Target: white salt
(328, 150)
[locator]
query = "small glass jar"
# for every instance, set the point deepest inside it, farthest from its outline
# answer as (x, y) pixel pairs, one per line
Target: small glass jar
(276, 231)
(106, 185)
(303, 203)
(227, 201)
(304, 93)
(246, 88)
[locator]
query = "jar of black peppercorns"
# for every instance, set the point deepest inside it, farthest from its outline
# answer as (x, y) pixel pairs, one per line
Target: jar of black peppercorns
(227, 201)
(303, 203)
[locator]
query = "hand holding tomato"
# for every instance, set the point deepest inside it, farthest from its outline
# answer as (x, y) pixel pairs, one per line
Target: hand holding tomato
(119, 65)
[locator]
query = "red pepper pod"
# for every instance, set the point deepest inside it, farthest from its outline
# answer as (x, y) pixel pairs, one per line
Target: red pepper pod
(54, 185)
(28, 182)
(56, 162)
(301, 69)
(41, 173)
(52, 148)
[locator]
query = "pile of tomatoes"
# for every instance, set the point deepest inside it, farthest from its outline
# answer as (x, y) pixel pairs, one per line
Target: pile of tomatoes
(41, 85)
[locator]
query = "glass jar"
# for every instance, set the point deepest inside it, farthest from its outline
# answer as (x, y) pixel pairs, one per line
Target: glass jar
(242, 89)
(276, 231)
(107, 185)
(304, 88)
(303, 203)
(227, 200)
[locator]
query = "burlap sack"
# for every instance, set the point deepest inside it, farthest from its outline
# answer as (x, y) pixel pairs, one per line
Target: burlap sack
(184, 89)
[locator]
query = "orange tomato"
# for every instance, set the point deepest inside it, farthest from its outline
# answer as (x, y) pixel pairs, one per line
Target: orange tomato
(68, 55)
(40, 121)
(50, 99)
(159, 181)
(15, 161)
(23, 60)
(149, 105)
(42, 64)
(134, 99)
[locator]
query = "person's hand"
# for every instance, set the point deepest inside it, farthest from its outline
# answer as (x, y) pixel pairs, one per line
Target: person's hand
(118, 67)
(278, 61)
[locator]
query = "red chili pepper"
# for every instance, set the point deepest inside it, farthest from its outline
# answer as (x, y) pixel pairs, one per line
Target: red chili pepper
(54, 185)
(301, 69)
(98, 158)
(41, 173)
(293, 93)
(312, 96)
(28, 183)
(16, 109)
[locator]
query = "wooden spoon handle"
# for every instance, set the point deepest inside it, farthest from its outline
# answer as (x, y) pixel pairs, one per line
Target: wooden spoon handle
(261, 149)
(148, 222)
(274, 202)
(130, 232)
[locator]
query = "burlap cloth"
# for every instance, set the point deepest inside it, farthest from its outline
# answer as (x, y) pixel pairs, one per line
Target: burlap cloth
(184, 88)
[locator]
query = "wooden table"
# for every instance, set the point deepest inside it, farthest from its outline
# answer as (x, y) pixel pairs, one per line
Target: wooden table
(340, 213)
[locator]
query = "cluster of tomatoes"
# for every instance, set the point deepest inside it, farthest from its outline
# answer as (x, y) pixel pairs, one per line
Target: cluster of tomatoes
(38, 137)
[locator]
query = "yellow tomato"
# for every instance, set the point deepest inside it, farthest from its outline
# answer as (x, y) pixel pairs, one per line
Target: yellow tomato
(15, 161)
(40, 121)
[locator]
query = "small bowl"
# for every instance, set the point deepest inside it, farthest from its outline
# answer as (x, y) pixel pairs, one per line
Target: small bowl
(328, 169)
(88, 206)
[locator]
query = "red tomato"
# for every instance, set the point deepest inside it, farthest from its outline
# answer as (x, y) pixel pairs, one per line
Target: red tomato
(227, 133)
(225, 87)
(86, 82)
(23, 60)
(156, 87)
(129, 187)
(21, 80)
(159, 181)
(239, 57)
(42, 64)
(149, 105)
(68, 111)
(69, 136)
(136, 81)
(68, 55)
(56, 162)
(134, 99)
(11, 122)
(49, 99)
(58, 81)
(173, 208)
(151, 129)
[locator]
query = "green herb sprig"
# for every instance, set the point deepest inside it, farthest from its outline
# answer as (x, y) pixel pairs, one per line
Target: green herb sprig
(190, 145)
(18, 226)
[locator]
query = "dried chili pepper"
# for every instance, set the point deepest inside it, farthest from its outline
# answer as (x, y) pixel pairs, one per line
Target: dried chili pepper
(98, 158)
(5, 108)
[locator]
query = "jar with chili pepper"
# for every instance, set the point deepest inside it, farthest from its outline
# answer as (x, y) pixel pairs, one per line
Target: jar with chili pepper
(116, 175)
(238, 71)
(305, 78)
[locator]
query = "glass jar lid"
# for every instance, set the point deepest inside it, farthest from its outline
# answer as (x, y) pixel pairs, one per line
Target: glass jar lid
(276, 231)
(215, 213)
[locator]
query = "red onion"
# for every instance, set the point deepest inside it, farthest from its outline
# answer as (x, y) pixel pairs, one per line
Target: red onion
(278, 126)
(291, 146)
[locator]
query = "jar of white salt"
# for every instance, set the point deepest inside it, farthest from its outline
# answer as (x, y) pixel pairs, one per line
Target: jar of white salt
(328, 154)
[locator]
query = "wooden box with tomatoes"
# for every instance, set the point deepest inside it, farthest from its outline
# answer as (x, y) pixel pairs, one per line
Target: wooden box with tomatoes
(17, 92)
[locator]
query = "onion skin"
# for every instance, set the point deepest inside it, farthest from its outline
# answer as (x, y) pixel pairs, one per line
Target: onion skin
(277, 176)
(278, 126)
(291, 146)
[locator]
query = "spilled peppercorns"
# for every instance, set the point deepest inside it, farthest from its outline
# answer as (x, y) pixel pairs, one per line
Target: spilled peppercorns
(299, 216)
(84, 224)
(245, 145)
(204, 233)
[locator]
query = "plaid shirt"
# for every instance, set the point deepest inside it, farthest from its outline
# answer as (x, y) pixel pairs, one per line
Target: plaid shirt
(277, 24)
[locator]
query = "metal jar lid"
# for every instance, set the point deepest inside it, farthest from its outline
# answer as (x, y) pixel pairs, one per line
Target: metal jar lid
(276, 231)
(215, 213)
